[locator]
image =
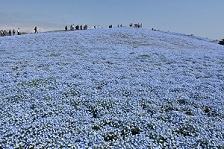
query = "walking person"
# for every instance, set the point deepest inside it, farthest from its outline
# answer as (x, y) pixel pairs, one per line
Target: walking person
(35, 30)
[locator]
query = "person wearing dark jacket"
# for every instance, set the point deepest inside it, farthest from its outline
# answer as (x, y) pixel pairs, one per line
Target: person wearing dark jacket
(35, 30)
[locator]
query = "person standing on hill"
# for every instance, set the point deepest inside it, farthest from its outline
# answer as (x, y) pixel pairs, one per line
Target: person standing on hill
(35, 30)
(18, 31)
(9, 32)
(13, 32)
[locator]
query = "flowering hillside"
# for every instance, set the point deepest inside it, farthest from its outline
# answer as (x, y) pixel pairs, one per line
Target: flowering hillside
(111, 88)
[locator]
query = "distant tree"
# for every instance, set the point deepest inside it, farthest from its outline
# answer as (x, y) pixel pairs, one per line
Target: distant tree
(221, 42)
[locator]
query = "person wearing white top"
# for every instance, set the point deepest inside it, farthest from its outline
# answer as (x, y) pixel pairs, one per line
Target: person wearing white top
(18, 31)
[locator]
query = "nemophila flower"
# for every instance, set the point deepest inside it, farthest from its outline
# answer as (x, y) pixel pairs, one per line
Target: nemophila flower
(119, 88)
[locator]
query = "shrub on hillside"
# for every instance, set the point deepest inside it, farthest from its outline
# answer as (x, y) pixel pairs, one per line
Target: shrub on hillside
(221, 42)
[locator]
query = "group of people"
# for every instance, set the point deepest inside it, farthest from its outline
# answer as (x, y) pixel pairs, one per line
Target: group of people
(119, 25)
(72, 27)
(84, 27)
(10, 32)
(13, 32)
(137, 25)
(77, 27)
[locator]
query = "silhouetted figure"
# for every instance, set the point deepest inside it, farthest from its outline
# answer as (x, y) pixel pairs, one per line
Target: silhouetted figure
(13, 32)
(18, 31)
(66, 28)
(77, 27)
(85, 27)
(35, 30)
(9, 32)
(4, 33)
(110, 26)
(72, 27)
(130, 25)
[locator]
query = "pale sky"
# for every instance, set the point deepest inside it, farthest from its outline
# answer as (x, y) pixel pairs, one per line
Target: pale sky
(203, 18)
